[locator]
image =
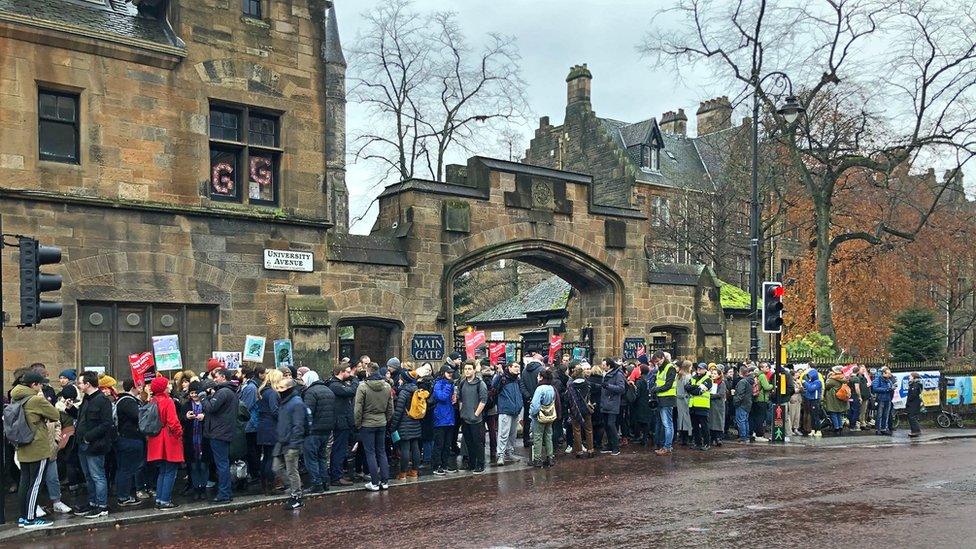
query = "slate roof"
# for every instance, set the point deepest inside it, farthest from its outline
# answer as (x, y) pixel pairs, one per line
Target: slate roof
(680, 162)
(677, 274)
(374, 249)
(114, 17)
(551, 294)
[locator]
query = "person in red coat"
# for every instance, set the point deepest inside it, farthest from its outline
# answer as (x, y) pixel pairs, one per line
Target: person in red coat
(167, 446)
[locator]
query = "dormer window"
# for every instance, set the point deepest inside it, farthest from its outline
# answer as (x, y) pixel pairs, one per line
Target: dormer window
(650, 157)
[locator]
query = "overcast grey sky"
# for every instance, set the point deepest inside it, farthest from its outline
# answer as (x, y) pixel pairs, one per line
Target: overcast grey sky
(552, 36)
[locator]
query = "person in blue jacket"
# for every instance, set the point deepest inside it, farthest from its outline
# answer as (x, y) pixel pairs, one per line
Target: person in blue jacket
(883, 387)
(442, 398)
(510, 404)
(293, 420)
(810, 407)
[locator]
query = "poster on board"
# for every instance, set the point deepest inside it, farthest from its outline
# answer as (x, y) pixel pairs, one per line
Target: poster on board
(231, 359)
(930, 388)
(254, 349)
(167, 351)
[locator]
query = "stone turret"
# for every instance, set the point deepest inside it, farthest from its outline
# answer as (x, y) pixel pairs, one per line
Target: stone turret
(578, 86)
(335, 121)
(675, 123)
(714, 115)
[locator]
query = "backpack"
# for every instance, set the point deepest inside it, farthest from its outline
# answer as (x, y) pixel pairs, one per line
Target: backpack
(418, 404)
(843, 393)
(115, 408)
(150, 423)
(755, 387)
(547, 413)
(15, 426)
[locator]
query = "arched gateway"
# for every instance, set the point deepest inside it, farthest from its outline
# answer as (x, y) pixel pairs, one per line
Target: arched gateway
(432, 232)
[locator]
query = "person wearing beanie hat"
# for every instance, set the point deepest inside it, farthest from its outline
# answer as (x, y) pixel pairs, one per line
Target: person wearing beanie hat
(425, 370)
(213, 364)
(198, 458)
(300, 374)
(407, 426)
(69, 374)
(292, 422)
(166, 446)
(37, 411)
(106, 384)
(321, 404)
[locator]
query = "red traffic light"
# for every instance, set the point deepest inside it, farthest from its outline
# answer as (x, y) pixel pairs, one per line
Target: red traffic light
(778, 291)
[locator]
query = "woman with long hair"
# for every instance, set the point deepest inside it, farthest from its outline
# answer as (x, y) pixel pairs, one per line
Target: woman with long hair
(267, 426)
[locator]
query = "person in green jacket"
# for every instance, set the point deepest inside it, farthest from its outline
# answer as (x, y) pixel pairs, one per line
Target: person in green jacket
(33, 456)
(759, 415)
(835, 407)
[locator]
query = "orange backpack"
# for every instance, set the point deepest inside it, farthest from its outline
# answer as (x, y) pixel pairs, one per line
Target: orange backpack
(843, 393)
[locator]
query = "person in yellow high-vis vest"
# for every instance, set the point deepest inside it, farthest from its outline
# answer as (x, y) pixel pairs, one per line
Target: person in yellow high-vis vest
(701, 399)
(666, 394)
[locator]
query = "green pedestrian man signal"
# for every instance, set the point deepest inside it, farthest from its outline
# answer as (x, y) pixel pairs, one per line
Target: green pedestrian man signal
(33, 283)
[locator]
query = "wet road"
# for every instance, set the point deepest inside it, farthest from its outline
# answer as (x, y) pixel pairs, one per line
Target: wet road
(738, 496)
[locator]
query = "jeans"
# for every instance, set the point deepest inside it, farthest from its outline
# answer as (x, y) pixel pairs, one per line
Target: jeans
(613, 438)
(409, 449)
(93, 467)
(474, 440)
(426, 451)
(199, 474)
(317, 458)
(340, 449)
(289, 463)
(855, 412)
(165, 481)
(31, 477)
(667, 427)
(267, 459)
(507, 433)
(373, 440)
(837, 420)
(742, 423)
(51, 480)
(130, 456)
(541, 440)
(221, 458)
(883, 423)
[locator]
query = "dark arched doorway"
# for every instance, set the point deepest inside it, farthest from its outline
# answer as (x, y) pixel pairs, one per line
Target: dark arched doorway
(600, 289)
(379, 338)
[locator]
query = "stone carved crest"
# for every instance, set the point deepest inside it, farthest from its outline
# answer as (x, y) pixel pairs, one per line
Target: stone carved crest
(542, 196)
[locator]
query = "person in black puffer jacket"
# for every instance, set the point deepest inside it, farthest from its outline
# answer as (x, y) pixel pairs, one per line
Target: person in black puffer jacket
(343, 385)
(408, 428)
(595, 381)
(320, 401)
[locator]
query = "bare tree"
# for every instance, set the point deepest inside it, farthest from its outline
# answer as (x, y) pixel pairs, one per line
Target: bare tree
(429, 92)
(884, 84)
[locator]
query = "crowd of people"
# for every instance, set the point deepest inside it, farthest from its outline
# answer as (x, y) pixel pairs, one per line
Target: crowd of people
(221, 432)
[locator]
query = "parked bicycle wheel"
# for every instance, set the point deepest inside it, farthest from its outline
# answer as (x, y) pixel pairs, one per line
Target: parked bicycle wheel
(943, 420)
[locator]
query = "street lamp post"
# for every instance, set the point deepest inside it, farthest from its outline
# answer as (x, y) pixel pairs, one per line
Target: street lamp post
(790, 111)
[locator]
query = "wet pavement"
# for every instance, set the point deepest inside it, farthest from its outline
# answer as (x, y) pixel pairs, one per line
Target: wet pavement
(904, 495)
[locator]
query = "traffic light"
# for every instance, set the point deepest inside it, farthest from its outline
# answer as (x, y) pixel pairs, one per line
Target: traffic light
(33, 282)
(772, 309)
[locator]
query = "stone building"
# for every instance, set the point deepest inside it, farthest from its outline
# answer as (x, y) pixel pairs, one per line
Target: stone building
(693, 190)
(164, 146)
(187, 158)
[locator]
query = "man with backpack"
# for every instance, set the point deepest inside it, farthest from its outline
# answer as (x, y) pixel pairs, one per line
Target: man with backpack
(219, 424)
(528, 381)
(320, 401)
(95, 431)
(408, 411)
(130, 450)
(25, 424)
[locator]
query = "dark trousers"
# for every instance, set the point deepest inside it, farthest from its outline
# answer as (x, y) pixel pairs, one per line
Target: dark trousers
(913, 423)
(31, 478)
(130, 454)
(491, 423)
(610, 427)
(221, 460)
(253, 455)
(809, 416)
(699, 428)
(409, 449)
(443, 458)
(757, 418)
(855, 412)
(526, 422)
(267, 461)
(557, 432)
(474, 441)
(373, 440)
(340, 449)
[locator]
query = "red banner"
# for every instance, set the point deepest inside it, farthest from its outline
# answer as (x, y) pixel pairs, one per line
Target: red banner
(555, 345)
(496, 351)
(473, 340)
(143, 367)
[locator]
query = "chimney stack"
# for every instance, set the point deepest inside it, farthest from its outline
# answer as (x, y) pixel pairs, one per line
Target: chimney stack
(714, 115)
(675, 123)
(578, 86)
